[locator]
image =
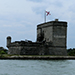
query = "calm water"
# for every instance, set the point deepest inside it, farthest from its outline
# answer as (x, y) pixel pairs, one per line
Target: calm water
(37, 67)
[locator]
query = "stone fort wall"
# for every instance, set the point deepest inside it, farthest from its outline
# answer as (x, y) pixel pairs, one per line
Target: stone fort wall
(51, 40)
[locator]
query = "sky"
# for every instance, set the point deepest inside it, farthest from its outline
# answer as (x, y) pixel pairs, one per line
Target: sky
(19, 18)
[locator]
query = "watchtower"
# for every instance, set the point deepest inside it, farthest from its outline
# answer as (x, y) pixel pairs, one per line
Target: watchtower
(8, 41)
(55, 32)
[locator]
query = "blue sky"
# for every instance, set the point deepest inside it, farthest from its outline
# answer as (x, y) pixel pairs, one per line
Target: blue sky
(19, 18)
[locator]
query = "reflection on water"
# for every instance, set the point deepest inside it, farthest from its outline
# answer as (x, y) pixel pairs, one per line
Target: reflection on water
(37, 67)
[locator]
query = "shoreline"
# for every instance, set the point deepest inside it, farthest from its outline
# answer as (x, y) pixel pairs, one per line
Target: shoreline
(38, 58)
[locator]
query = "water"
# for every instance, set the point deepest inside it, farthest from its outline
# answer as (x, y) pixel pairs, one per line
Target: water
(37, 67)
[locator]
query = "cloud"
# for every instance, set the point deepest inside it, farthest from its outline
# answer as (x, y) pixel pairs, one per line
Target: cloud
(19, 18)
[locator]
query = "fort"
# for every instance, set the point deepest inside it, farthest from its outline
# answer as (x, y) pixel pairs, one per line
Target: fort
(51, 40)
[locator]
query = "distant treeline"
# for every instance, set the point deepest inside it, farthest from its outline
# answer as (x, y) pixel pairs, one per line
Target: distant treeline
(71, 52)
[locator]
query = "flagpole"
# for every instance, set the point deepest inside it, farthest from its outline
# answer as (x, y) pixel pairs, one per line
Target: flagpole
(48, 13)
(45, 16)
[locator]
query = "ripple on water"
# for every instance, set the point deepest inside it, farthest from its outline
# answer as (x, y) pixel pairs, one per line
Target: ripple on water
(37, 67)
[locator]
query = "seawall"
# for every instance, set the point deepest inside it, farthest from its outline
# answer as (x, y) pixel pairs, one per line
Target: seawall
(38, 58)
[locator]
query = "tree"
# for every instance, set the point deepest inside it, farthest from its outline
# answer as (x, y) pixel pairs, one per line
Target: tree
(71, 52)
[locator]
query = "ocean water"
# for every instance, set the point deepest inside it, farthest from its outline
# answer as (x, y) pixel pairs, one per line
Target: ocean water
(37, 67)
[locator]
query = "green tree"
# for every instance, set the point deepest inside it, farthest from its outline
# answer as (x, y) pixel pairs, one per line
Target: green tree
(2, 52)
(71, 52)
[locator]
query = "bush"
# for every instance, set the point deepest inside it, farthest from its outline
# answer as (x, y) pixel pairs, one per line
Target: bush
(2, 52)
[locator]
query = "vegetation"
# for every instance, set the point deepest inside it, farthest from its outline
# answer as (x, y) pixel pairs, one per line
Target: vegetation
(3, 51)
(71, 52)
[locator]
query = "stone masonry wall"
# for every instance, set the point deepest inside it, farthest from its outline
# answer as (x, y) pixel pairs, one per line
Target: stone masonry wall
(59, 35)
(29, 50)
(57, 51)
